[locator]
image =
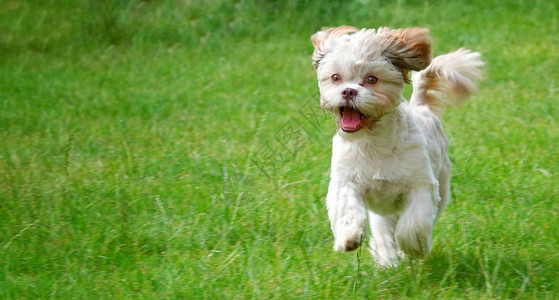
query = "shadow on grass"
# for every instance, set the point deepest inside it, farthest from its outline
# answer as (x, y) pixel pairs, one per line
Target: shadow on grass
(488, 270)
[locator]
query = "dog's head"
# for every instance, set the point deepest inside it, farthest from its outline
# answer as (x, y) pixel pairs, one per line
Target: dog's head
(361, 72)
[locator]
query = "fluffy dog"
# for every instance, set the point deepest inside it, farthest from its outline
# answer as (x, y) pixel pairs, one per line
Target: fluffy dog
(390, 164)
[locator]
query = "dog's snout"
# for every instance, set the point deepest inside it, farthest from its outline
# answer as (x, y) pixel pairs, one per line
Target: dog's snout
(349, 93)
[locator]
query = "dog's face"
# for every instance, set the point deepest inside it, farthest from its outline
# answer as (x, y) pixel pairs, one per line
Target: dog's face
(361, 73)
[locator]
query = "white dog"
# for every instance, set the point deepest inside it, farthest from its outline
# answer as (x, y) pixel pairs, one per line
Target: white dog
(389, 157)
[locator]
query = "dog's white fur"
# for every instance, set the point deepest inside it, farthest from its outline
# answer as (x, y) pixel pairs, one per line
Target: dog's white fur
(394, 170)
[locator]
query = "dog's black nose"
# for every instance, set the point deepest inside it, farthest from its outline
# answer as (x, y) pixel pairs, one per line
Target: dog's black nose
(349, 94)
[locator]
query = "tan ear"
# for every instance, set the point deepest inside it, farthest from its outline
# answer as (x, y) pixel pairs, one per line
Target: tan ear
(407, 48)
(326, 33)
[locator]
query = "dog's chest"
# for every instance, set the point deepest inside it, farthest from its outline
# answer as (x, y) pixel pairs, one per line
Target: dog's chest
(384, 196)
(383, 182)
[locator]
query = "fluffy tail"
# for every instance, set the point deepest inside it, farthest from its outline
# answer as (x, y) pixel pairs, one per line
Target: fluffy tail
(449, 79)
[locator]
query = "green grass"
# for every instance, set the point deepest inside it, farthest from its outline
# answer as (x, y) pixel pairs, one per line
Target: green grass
(130, 130)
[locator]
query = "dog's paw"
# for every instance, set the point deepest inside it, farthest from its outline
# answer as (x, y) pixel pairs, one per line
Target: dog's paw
(346, 245)
(384, 261)
(415, 242)
(348, 235)
(386, 255)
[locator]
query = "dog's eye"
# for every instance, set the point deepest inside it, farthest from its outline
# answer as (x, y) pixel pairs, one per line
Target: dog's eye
(372, 80)
(336, 77)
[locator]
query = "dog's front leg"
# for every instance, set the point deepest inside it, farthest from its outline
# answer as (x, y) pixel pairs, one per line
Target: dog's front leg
(348, 215)
(414, 229)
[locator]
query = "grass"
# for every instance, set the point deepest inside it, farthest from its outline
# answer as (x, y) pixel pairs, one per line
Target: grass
(146, 153)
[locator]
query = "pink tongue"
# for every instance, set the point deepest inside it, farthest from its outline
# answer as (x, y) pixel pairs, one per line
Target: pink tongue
(352, 117)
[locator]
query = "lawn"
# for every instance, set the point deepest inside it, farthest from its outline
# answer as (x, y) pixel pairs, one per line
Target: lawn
(176, 150)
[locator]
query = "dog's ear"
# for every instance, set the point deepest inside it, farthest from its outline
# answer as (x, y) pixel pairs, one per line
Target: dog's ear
(407, 48)
(320, 37)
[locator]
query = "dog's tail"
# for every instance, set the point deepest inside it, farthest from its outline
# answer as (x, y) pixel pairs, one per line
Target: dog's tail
(449, 79)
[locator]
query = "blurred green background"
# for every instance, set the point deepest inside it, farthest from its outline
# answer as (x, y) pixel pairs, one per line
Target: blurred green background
(175, 149)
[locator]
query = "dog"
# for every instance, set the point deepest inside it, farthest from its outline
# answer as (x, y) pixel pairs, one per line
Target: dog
(390, 164)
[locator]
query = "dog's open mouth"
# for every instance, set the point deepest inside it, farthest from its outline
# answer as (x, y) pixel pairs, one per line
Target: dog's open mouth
(352, 119)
